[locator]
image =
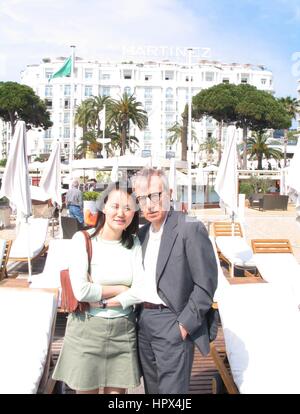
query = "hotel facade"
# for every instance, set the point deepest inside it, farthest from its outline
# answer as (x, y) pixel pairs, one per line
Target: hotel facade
(161, 87)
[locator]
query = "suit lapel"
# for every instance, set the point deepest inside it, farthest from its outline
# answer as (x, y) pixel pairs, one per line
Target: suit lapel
(168, 238)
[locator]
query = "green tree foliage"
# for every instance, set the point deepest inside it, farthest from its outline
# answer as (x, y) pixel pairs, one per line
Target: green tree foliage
(292, 107)
(258, 147)
(19, 102)
(245, 105)
(179, 132)
(121, 113)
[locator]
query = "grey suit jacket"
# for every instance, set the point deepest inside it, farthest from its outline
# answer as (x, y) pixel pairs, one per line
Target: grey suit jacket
(186, 273)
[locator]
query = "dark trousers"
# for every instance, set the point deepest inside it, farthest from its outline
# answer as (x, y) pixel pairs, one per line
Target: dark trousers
(166, 359)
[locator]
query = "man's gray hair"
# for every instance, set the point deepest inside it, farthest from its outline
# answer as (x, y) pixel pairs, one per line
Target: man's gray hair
(147, 173)
(75, 183)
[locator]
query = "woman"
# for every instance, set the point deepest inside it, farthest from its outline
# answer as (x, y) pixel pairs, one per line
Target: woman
(99, 347)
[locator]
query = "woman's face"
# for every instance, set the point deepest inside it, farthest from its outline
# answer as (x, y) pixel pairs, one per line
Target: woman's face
(119, 210)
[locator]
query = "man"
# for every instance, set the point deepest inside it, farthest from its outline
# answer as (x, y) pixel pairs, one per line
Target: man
(74, 202)
(180, 281)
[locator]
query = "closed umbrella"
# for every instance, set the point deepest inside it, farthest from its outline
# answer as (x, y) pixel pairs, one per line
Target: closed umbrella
(51, 178)
(227, 177)
(15, 182)
(114, 176)
(293, 180)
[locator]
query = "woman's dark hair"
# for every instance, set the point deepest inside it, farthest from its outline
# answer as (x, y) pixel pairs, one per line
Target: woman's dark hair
(127, 239)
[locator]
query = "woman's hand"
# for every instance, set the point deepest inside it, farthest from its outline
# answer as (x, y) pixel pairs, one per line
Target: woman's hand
(108, 291)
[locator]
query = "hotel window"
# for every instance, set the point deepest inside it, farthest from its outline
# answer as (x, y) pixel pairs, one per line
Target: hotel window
(67, 90)
(169, 93)
(148, 106)
(169, 121)
(187, 78)
(148, 93)
(209, 76)
(148, 77)
(244, 78)
(88, 73)
(263, 81)
(105, 76)
(169, 106)
(47, 133)
(48, 103)
(48, 90)
(127, 74)
(66, 132)
(225, 80)
(67, 104)
(169, 75)
(66, 117)
(104, 90)
(127, 90)
(147, 136)
(48, 73)
(88, 90)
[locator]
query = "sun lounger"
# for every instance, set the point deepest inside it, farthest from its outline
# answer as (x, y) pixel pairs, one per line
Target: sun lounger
(232, 247)
(33, 234)
(58, 258)
(5, 246)
(262, 338)
(276, 263)
(26, 326)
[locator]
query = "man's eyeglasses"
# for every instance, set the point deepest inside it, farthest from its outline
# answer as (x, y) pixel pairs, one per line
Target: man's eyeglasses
(153, 197)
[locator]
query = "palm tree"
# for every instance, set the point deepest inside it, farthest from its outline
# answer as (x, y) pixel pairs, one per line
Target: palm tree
(83, 116)
(123, 111)
(210, 145)
(292, 107)
(258, 147)
(97, 105)
(89, 143)
(179, 132)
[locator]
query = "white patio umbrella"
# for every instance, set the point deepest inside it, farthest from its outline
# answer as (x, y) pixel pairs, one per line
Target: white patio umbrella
(51, 180)
(51, 177)
(15, 181)
(227, 177)
(114, 176)
(293, 180)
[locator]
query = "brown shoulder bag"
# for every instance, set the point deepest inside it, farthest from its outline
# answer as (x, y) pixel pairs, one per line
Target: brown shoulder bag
(68, 301)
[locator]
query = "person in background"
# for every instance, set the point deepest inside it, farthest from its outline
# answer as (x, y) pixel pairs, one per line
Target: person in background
(99, 348)
(74, 202)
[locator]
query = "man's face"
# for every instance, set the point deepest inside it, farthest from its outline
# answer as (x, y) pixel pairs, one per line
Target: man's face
(153, 200)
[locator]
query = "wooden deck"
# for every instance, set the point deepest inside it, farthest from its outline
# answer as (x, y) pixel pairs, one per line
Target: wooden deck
(203, 369)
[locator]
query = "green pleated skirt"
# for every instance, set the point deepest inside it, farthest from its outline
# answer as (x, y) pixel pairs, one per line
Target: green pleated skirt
(98, 352)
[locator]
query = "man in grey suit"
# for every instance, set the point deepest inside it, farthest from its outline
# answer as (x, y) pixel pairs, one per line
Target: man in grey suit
(181, 272)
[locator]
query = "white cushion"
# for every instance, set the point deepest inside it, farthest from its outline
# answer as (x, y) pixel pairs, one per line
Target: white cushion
(30, 239)
(236, 250)
(25, 326)
(262, 335)
(281, 269)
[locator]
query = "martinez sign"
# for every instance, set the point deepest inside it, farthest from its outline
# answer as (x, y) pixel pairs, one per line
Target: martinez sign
(165, 51)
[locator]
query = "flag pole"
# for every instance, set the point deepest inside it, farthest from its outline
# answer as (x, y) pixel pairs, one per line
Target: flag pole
(189, 154)
(103, 136)
(71, 147)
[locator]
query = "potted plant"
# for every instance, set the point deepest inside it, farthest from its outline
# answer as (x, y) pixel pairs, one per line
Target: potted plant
(89, 203)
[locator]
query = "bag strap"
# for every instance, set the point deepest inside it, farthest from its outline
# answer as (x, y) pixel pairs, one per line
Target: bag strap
(89, 248)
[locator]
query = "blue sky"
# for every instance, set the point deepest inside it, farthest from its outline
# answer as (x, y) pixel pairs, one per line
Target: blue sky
(245, 31)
